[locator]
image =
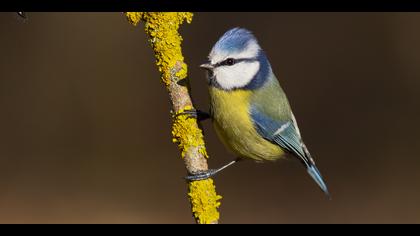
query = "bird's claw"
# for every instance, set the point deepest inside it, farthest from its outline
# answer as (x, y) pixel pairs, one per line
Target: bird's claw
(193, 113)
(201, 175)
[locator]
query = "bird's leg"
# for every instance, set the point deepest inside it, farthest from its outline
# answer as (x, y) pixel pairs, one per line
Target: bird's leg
(208, 173)
(199, 115)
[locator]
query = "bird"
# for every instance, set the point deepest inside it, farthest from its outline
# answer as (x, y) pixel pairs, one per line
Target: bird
(248, 108)
(22, 14)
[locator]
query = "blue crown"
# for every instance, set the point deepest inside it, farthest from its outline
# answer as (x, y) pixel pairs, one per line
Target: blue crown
(234, 40)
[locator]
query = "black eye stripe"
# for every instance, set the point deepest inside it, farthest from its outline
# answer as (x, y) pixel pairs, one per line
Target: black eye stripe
(228, 61)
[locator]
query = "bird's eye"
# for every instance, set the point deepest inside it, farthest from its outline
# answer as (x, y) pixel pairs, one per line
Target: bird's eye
(230, 61)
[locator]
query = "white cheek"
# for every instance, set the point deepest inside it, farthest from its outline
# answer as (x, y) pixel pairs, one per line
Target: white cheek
(236, 76)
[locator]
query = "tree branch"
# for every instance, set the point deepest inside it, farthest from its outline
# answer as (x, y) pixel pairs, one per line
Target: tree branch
(162, 29)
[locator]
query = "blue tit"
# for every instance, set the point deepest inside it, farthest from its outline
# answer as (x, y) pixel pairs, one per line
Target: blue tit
(250, 111)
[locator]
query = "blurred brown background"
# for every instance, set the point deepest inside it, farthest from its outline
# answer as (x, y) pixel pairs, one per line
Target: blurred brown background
(85, 124)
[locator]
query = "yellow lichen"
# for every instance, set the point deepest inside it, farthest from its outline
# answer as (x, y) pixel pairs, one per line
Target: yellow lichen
(186, 133)
(133, 17)
(162, 27)
(204, 201)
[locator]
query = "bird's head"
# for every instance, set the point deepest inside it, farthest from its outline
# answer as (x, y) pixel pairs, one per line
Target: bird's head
(236, 60)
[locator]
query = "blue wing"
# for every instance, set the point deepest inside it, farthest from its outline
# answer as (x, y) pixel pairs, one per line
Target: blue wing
(286, 135)
(282, 133)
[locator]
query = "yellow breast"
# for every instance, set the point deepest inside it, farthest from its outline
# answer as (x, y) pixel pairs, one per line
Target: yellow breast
(234, 126)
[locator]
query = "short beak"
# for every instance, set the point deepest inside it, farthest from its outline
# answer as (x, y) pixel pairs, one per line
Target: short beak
(207, 66)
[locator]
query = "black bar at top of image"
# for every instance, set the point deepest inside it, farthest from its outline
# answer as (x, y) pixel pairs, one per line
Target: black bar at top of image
(210, 5)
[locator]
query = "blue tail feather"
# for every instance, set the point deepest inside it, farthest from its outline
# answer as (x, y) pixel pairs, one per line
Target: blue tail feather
(316, 175)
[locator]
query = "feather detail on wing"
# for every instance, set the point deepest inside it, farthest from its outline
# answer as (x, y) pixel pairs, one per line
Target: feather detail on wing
(286, 134)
